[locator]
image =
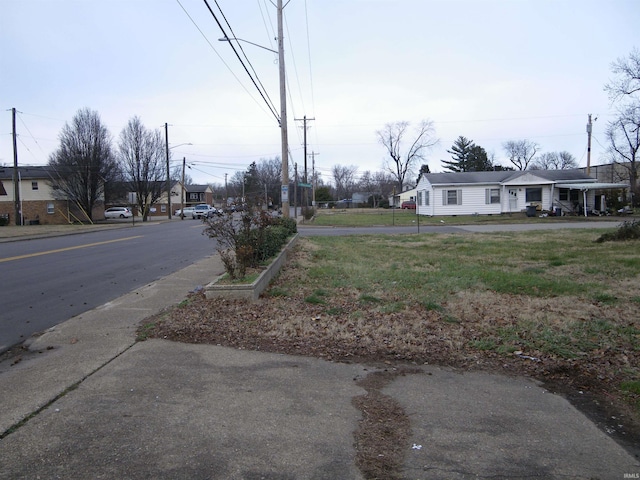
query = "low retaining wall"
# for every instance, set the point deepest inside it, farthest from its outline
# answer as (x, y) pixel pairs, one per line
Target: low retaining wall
(252, 291)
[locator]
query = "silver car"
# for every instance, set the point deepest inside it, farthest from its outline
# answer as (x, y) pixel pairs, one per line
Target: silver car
(117, 212)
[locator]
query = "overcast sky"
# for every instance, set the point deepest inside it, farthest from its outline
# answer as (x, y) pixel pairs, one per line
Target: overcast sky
(490, 70)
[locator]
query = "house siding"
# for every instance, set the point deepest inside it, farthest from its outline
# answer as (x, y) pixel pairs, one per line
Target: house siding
(473, 186)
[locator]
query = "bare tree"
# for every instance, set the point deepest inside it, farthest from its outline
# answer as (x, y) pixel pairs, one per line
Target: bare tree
(627, 80)
(84, 162)
(520, 152)
(142, 159)
(269, 172)
(344, 179)
(623, 133)
(623, 136)
(394, 136)
(554, 161)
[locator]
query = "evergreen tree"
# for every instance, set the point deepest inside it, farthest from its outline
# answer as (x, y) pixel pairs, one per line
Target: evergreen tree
(460, 152)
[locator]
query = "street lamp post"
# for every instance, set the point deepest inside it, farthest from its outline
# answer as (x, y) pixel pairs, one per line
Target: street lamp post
(284, 191)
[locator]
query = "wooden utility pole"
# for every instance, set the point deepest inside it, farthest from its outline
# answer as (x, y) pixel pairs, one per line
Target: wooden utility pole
(589, 128)
(184, 163)
(284, 188)
(304, 176)
(314, 178)
(166, 140)
(16, 174)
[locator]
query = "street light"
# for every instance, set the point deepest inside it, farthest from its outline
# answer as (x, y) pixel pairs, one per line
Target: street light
(284, 188)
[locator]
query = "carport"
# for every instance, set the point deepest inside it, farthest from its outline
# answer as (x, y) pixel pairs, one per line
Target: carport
(585, 187)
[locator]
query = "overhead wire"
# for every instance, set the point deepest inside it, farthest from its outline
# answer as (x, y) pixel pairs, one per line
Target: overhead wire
(270, 102)
(262, 94)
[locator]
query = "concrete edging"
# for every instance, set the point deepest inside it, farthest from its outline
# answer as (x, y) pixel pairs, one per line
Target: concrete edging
(251, 291)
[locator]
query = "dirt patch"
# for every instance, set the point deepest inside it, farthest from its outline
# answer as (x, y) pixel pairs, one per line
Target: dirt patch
(384, 428)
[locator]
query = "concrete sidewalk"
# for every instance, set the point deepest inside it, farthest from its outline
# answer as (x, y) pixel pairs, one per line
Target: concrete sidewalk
(96, 404)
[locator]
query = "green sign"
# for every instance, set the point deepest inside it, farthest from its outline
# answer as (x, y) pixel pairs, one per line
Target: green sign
(304, 185)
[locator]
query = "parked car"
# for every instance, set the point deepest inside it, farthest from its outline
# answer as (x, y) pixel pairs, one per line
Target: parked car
(203, 211)
(117, 212)
(409, 204)
(188, 211)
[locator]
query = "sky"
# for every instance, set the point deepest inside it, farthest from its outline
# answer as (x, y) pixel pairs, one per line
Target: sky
(489, 70)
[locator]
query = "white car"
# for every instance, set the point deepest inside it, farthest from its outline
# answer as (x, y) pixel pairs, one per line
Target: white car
(203, 211)
(187, 211)
(117, 212)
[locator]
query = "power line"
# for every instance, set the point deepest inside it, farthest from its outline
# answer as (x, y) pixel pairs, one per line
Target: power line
(269, 105)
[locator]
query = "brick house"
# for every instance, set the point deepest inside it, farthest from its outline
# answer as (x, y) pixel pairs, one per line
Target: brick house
(38, 202)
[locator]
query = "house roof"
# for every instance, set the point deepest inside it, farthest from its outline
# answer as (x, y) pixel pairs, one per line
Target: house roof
(196, 188)
(466, 178)
(6, 173)
(592, 186)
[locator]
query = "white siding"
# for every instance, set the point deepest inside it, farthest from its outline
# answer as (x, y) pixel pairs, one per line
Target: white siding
(473, 201)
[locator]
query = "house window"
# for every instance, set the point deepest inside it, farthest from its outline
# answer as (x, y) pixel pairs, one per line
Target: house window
(534, 194)
(163, 208)
(34, 185)
(51, 208)
(419, 198)
(566, 195)
(492, 195)
(452, 197)
(193, 196)
(426, 197)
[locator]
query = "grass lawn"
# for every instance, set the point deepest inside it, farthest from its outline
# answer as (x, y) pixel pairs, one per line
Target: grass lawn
(368, 217)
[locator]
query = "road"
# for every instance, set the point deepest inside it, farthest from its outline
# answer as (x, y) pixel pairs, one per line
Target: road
(47, 281)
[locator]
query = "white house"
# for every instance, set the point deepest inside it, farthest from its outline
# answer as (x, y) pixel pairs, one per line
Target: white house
(484, 193)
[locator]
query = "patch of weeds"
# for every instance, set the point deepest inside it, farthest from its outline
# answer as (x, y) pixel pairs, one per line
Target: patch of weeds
(484, 344)
(605, 298)
(144, 332)
(316, 297)
(277, 292)
(335, 311)
(369, 298)
(392, 307)
(450, 319)
(432, 306)
(631, 386)
(506, 349)
(556, 262)
(533, 270)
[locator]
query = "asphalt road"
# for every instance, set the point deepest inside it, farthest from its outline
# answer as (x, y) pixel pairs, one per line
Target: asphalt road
(47, 281)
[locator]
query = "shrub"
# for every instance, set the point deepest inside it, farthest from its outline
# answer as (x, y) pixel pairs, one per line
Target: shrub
(254, 239)
(629, 230)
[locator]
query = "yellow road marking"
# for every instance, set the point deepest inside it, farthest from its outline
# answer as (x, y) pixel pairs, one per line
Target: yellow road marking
(29, 255)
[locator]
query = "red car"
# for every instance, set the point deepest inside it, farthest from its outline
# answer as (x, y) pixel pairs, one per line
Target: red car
(409, 204)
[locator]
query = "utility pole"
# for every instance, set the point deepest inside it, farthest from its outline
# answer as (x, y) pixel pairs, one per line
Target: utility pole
(16, 175)
(166, 140)
(295, 191)
(226, 192)
(313, 177)
(589, 124)
(304, 177)
(184, 163)
(284, 188)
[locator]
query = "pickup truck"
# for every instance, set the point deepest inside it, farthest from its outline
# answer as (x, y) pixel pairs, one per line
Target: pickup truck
(203, 211)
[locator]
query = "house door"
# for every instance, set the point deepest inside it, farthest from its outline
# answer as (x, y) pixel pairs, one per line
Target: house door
(513, 199)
